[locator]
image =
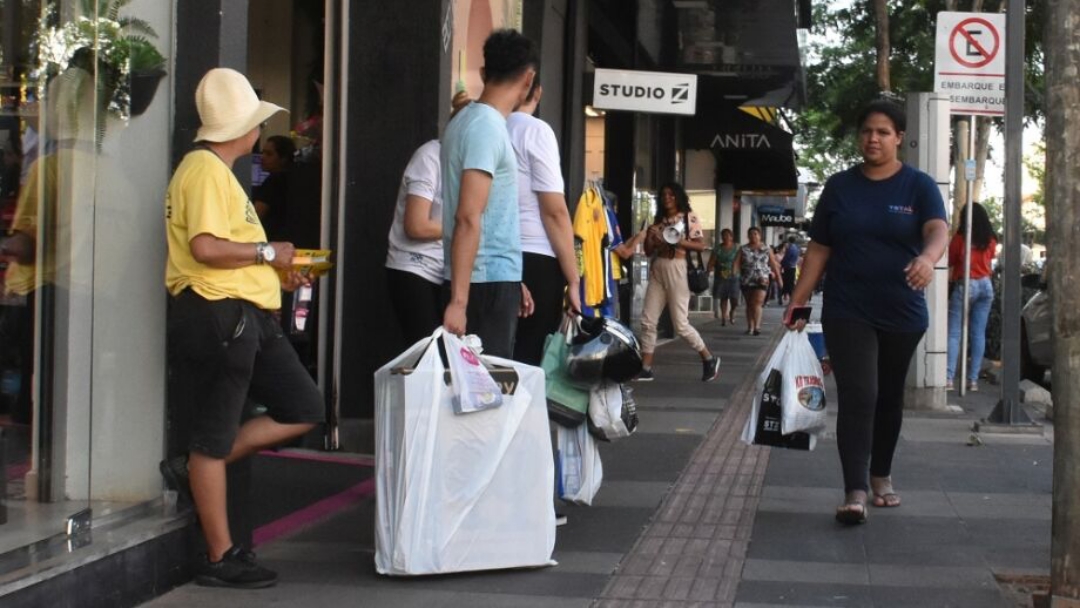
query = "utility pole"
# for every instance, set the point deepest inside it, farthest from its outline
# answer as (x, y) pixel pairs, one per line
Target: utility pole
(1063, 173)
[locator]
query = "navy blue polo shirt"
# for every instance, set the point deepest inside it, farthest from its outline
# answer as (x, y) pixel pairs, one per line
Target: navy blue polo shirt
(873, 230)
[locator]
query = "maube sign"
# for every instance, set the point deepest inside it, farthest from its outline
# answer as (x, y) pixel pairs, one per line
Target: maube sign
(650, 92)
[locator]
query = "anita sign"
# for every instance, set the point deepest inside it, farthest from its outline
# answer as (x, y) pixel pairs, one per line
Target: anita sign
(650, 92)
(741, 141)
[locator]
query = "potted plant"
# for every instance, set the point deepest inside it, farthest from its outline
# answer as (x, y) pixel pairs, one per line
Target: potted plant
(128, 66)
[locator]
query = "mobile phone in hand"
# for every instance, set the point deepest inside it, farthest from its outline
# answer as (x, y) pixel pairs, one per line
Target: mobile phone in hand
(800, 313)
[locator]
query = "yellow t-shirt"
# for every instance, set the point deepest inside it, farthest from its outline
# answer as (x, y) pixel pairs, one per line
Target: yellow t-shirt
(38, 192)
(204, 197)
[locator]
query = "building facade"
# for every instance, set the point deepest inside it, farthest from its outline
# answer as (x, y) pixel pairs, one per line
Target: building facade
(98, 108)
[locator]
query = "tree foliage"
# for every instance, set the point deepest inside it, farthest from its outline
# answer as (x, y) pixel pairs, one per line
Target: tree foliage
(842, 74)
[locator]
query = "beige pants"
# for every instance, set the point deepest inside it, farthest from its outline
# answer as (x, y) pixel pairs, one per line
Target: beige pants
(667, 286)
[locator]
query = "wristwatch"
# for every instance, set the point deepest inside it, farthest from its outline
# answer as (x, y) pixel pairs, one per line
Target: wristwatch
(264, 253)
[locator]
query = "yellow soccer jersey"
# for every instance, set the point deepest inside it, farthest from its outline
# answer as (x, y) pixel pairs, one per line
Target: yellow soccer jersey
(590, 226)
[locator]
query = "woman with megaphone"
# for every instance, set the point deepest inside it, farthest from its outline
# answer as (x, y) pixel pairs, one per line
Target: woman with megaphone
(675, 230)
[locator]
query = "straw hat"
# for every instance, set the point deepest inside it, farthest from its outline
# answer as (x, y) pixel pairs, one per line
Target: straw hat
(228, 106)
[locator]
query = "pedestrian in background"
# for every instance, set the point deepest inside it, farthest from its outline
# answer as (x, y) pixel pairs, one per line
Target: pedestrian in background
(756, 266)
(225, 343)
(668, 278)
(725, 279)
(481, 222)
(789, 263)
(983, 250)
(414, 253)
(877, 232)
(547, 236)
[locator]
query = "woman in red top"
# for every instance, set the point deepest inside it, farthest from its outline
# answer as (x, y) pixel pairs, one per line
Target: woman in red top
(983, 249)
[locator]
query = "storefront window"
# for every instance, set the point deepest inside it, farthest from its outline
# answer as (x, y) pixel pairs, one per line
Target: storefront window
(84, 129)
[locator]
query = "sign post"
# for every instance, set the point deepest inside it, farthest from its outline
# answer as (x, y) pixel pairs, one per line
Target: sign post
(970, 67)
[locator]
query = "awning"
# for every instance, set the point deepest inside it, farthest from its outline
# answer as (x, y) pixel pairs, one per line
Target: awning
(751, 154)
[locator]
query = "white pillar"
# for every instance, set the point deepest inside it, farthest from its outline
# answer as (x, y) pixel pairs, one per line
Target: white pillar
(725, 200)
(746, 216)
(927, 148)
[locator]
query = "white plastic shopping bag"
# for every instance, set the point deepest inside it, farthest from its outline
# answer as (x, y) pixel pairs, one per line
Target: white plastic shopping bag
(580, 469)
(460, 493)
(802, 391)
(474, 388)
(612, 412)
(764, 425)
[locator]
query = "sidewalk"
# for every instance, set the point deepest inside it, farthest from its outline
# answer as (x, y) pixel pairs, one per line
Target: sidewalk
(690, 516)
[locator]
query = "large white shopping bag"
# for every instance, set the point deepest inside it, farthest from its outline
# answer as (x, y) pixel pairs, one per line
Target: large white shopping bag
(460, 492)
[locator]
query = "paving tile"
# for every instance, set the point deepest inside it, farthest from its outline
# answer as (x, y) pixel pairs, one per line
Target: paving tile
(916, 597)
(964, 555)
(639, 494)
(806, 594)
(678, 588)
(805, 572)
(704, 589)
(651, 588)
(1010, 533)
(675, 421)
(910, 575)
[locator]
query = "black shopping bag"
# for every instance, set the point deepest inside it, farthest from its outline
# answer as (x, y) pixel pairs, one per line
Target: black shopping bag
(769, 416)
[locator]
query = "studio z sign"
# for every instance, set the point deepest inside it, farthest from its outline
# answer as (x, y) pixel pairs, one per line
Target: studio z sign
(650, 92)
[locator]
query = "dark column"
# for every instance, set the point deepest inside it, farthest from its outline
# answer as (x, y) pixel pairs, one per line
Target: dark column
(575, 96)
(398, 88)
(209, 34)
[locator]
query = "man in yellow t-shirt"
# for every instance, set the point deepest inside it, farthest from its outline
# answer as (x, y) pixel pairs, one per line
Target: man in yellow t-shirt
(224, 341)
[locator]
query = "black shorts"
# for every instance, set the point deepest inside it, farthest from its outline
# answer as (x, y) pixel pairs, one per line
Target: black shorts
(225, 351)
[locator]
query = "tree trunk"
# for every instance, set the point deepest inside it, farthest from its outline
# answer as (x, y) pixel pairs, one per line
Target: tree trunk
(881, 25)
(982, 153)
(961, 141)
(1062, 42)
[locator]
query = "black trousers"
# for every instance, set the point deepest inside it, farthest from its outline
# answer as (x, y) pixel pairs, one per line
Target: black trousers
(492, 315)
(418, 303)
(545, 280)
(871, 366)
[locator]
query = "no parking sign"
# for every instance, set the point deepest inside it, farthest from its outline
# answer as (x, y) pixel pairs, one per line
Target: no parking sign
(969, 63)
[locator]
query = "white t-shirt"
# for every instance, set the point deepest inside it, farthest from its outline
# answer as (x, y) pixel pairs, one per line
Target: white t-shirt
(421, 178)
(539, 170)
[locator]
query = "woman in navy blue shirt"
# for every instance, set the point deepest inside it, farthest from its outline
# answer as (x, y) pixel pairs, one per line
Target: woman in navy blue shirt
(877, 232)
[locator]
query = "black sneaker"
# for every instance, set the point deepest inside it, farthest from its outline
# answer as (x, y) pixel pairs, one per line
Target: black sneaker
(560, 519)
(645, 375)
(710, 369)
(175, 472)
(237, 569)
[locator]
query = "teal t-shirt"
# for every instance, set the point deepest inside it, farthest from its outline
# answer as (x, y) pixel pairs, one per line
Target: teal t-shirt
(477, 139)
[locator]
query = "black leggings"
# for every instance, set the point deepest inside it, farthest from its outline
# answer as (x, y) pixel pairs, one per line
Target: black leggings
(871, 366)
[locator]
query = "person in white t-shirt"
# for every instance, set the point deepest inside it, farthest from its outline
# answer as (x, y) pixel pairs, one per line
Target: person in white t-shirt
(414, 257)
(547, 236)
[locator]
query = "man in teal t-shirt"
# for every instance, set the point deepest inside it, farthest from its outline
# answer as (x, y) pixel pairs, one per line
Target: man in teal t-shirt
(481, 227)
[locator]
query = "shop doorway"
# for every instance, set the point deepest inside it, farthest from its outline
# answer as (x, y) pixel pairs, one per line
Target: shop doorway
(294, 58)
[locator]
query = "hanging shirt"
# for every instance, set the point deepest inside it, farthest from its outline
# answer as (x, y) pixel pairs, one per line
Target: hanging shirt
(590, 228)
